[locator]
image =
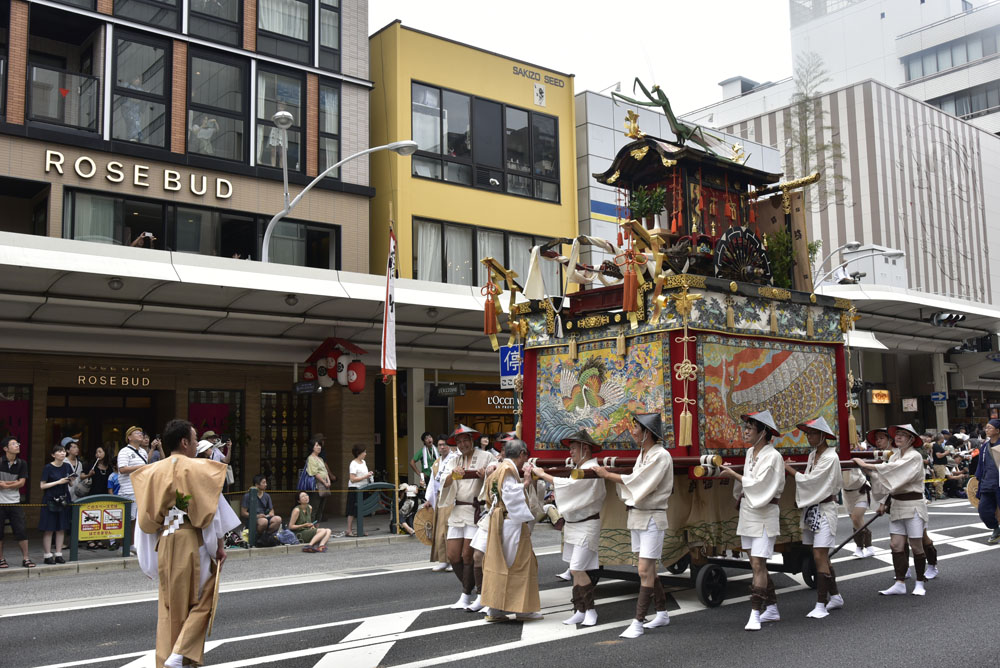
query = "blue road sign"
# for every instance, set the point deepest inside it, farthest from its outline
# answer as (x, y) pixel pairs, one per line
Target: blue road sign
(939, 396)
(510, 365)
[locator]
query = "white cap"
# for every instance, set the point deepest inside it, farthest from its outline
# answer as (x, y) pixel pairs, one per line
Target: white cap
(204, 445)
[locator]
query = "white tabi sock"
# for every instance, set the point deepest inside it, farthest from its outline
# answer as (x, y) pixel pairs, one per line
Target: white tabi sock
(819, 612)
(662, 619)
(753, 624)
(590, 618)
(476, 605)
(869, 551)
(931, 571)
(770, 614)
(859, 552)
(896, 589)
(836, 602)
(565, 575)
(577, 617)
(918, 588)
(463, 602)
(174, 661)
(634, 630)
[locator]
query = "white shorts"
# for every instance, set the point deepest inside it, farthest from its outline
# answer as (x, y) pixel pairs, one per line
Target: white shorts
(648, 542)
(579, 557)
(822, 538)
(760, 546)
(480, 540)
(911, 528)
(855, 499)
(467, 532)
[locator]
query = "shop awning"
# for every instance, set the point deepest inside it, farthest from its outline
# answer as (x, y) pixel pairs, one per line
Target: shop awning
(900, 318)
(56, 295)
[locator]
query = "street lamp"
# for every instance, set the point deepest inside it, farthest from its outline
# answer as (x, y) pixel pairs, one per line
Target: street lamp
(850, 245)
(888, 254)
(283, 120)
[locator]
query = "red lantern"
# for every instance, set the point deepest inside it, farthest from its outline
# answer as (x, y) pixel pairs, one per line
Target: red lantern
(356, 377)
(309, 373)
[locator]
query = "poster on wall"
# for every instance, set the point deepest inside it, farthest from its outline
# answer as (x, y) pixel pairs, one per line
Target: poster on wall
(793, 381)
(598, 391)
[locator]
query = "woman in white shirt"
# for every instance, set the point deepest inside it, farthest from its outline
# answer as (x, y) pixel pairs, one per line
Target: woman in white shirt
(358, 477)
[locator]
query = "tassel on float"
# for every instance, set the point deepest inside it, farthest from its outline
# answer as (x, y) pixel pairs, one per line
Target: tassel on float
(774, 320)
(810, 328)
(620, 344)
(730, 314)
(630, 289)
(684, 437)
(572, 348)
(852, 428)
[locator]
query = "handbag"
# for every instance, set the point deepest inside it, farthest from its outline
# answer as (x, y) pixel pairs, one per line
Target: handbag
(323, 490)
(57, 504)
(82, 488)
(307, 483)
(230, 478)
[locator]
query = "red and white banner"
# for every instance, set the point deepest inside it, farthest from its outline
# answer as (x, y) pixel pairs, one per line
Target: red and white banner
(389, 312)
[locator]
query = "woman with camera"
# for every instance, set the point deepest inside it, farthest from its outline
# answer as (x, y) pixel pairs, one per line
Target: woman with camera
(100, 472)
(54, 516)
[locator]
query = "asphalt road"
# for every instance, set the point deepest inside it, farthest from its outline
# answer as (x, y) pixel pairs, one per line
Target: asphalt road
(384, 607)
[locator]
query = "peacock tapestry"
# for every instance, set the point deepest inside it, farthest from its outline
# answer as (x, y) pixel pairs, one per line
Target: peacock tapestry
(597, 391)
(793, 381)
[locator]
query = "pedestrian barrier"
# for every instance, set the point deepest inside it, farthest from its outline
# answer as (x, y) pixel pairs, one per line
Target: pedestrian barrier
(104, 510)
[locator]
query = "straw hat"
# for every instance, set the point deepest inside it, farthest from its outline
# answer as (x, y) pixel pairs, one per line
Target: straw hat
(818, 424)
(583, 437)
(462, 429)
(765, 418)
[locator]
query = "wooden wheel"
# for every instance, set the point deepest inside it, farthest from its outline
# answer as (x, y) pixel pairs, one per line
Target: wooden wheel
(711, 585)
(680, 565)
(740, 256)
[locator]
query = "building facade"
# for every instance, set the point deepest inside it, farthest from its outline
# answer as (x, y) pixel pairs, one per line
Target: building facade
(494, 175)
(139, 165)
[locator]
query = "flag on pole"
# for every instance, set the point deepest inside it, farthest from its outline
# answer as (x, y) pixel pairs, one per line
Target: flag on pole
(389, 312)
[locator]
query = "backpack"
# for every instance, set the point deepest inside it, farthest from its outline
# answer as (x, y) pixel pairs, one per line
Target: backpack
(286, 537)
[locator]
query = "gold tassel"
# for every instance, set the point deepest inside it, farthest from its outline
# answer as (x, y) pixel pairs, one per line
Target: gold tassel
(572, 348)
(620, 344)
(517, 430)
(852, 429)
(684, 437)
(730, 314)
(810, 328)
(774, 320)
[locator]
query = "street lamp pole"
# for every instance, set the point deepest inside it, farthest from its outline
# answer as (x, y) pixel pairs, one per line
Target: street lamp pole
(850, 245)
(283, 120)
(890, 254)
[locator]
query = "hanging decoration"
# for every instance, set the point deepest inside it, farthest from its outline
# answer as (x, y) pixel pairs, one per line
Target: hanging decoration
(356, 376)
(685, 371)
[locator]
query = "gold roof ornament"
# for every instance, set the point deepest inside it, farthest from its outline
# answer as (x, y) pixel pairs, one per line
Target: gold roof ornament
(632, 130)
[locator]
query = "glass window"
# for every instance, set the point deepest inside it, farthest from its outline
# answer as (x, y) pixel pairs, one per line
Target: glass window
(547, 190)
(519, 255)
(283, 29)
(944, 55)
(458, 254)
(978, 100)
(456, 173)
(948, 104)
(216, 116)
(989, 44)
(305, 245)
(457, 125)
(543, 145)
(162, 13)
(956, 55)
(489, 243)
(519, 185)
(216, 20)
(427, 118)
(993, 97)
(329, 127)
(215, 233)
(914, 69)
(278, 92)
(427, 250)
(426, 167)
(930, 63)
(975, 49)
(962, 103)
(518, 159)
(487, 133)
(329, 35)
(95, 218)
(139, 109)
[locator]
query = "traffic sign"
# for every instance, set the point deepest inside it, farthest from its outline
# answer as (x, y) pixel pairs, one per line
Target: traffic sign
(510, 365)
(939, 396)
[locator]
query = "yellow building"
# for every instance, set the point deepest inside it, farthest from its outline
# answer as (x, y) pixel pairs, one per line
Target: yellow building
(495, 173)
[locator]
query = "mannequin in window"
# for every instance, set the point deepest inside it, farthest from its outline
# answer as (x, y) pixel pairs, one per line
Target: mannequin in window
(203, 132)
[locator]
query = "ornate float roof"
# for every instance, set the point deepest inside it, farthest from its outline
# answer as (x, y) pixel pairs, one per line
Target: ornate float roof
(643, 161)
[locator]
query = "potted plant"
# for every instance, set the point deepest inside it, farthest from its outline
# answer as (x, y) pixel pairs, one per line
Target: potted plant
(646, 202)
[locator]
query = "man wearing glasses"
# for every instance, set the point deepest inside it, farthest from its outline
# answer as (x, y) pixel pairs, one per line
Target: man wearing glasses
(130, 459)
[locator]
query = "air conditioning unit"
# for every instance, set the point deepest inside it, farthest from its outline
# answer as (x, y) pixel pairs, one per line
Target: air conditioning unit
(878, 269)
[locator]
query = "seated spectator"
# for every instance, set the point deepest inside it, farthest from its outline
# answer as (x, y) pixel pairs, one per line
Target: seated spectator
(305, 529)
(408, 506)
(267, 521)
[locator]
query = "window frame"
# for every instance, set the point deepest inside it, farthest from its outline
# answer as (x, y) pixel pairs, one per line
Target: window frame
(230, 60)
(330, 83)
(335, 53)
(175, 8)
(443, 159)
(299, 126)
(165, 99)
(309, 42)
(443, 224)
(238, 24)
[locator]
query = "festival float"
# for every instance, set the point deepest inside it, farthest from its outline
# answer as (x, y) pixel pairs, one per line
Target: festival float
(684, 319)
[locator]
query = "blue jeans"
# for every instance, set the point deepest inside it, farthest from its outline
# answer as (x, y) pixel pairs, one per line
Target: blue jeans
(989, 500)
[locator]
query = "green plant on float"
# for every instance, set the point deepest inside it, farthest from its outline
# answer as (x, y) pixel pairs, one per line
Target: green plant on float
(647, 201)
(781, 257)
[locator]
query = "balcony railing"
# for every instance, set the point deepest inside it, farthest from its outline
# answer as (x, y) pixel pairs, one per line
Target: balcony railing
(64, 98)
(3, 88)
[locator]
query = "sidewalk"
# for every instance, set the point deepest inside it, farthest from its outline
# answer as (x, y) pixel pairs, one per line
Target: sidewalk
(377, 528)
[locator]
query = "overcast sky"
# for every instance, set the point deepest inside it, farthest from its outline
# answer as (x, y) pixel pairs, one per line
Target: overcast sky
(687, 47)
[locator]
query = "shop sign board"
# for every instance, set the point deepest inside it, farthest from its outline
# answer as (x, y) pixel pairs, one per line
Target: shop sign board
(878, 396)
(486, 401)
(306, 387)
(910, 405)
(102, 520)
(450, 389)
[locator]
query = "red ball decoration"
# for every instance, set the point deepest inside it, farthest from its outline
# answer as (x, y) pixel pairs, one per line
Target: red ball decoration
(310, 373)
(356, 377)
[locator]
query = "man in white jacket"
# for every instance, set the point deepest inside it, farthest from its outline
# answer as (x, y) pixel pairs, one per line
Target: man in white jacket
(758, 490)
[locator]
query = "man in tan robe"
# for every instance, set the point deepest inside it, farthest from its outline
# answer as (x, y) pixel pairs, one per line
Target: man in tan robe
(182, 519)
(510, 569)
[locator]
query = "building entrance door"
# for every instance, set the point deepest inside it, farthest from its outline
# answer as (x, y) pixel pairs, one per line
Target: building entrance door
(100, 418)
